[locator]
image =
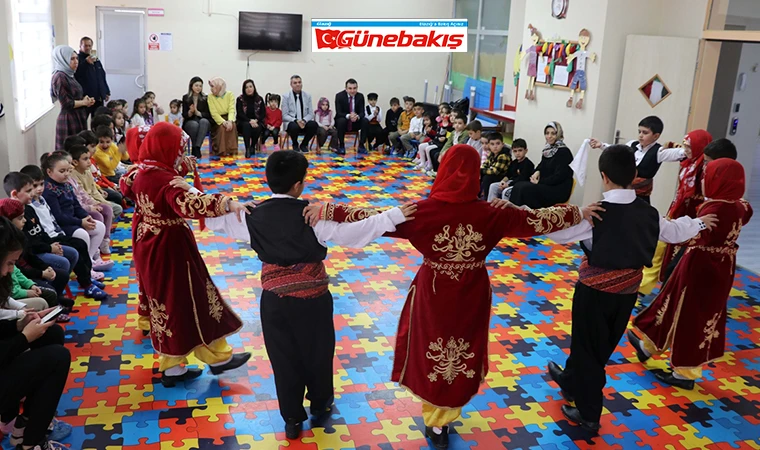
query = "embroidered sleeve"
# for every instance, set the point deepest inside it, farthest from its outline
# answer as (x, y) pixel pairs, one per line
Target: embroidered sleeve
(187, 166)
(192, 205)
(126, 181)
(343, 213)
(536, 222)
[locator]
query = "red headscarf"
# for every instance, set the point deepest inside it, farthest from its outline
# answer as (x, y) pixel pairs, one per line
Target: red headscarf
(164, 144)
(690, 176)
(11, 208)
(134, 139)
(724, 180)
(458, 179)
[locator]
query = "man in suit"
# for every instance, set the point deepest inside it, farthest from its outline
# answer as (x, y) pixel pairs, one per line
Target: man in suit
(298, 114)
(350, 115)
(91, 75)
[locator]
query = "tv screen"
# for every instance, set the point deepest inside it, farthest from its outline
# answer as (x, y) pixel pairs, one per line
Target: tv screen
(268, 31)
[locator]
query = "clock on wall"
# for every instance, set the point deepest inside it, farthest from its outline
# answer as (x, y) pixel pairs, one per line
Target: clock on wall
(559, 8)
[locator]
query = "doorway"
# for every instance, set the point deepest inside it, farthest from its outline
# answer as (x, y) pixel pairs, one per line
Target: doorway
(121, 47)
(735, 114)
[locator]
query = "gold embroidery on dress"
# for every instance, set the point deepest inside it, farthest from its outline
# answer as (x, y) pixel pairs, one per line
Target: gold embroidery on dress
(710, 331)
(158, 318)
(733, 235)
(206, 205)
(453, 270)
(547, 219)
(661, 312)
(150, 220)
(449, 359)
(328, 212)
(215, 306)
(459, 248)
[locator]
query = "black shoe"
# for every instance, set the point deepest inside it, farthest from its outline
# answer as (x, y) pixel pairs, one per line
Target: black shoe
(636, 344)
(573, 415)
(362, 151)
(341, 151)
(171, 381)
(555, 372)
(248, 152)
(669, 378)
(319, 415)
(304, 148)
(145, 332)
(238, 359)
(440, 441)
(66, 302)
(293, 430)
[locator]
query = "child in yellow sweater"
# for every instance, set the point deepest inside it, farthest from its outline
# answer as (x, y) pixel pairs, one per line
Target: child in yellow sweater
(108, 155)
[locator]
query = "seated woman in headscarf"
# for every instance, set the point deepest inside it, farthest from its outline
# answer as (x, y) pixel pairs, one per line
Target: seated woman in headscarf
(221, 104)
(552, 182)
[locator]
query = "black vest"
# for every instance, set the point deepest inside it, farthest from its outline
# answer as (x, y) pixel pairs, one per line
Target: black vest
(279, 234)
(626, 238)
(649, 165)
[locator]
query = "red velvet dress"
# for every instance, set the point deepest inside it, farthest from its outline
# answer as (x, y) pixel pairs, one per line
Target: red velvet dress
(441, 352)
(185, 307)
(689, 314)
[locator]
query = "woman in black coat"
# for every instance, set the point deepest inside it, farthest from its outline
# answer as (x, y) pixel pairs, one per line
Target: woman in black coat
(552, 182)
(251, 113)
(196, 114)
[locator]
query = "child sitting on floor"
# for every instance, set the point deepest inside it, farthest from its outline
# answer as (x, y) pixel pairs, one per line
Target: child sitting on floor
(110, 190)
(474, 133)
(175, 113)
(99, 208)
(108, 156)
(139, 113)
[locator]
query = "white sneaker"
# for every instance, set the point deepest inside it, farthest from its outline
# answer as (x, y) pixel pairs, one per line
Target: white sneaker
(105, 247)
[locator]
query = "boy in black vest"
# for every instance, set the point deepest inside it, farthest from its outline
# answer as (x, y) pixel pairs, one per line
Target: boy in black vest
(649, 155)
(608, 280)
(296, 304)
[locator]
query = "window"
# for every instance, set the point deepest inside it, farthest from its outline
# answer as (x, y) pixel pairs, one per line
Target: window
(32, 42)
(487, 42)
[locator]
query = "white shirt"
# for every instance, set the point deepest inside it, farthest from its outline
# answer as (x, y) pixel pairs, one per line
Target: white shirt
(671, 231)
(46, 217)
(417, 125)
(372, 115)
(137, 121)
(11, 311)
(352, 235)
(663, 154)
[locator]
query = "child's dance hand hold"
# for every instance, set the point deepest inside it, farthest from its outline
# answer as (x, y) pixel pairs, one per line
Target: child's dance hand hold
(710, 221)
(179, 182)
(408, 209)
(590, 212)
(238, 209)
(311, 213)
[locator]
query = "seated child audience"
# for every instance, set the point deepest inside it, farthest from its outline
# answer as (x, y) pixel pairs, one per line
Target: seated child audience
(497, 163)
(139, 113)
(154, 109)
(50, 243)
(96, 206)
(444, 115)
(107, 155)
(74, 220)
(427, 143)
(273, 121)
(391, 122)
(110, 189)
(119, 126)
(474, 133)
(374, 115)
(175, 113)
(458, 136)
(520, 169)
(416, 128)
(402, 127)
(34, 364)
(326, 122)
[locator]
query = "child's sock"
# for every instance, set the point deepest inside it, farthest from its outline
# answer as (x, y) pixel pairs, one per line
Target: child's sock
(175, 371)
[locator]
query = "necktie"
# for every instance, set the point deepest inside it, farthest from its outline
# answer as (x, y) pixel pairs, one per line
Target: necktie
(350, 110)
(300, 103)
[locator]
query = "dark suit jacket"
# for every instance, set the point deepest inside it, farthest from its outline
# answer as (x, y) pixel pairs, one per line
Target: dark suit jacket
(341, 104)
(92, 77)
(202, 107)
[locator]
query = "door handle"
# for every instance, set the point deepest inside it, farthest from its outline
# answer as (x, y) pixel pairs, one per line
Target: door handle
(617, 137)
(138, 84)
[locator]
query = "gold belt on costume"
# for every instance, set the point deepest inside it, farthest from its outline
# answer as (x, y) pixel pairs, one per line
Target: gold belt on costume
(717, 250)
(453, 269)
(162, 222)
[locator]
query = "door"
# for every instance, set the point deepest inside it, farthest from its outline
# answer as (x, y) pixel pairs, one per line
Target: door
(658, 77)
(121, 49)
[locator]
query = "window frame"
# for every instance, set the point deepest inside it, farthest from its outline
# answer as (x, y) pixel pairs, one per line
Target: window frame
(27, 123)
(476, 33)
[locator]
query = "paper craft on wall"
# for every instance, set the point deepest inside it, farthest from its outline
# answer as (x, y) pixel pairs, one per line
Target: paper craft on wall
(532, 57)
(654, 91)
(516, 66)
(580, 56)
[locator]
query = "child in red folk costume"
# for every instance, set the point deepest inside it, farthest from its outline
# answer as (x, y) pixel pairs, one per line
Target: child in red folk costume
(134, 139)
(441, 353)
(187, 312)
(689, 314)
(688, 199)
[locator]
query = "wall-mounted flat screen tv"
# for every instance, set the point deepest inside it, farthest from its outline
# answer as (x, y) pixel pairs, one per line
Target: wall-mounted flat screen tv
(269, 31)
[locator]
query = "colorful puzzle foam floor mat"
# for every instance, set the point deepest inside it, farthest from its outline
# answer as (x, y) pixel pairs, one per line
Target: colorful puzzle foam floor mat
(114, 399)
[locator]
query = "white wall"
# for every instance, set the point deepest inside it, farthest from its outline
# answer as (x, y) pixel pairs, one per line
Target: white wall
(207, 46)
(747, 137)
(18, 148)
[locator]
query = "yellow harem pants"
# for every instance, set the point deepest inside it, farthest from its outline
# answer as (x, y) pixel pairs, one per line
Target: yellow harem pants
(143, 323)
(689, 374)
(438, 417)
(216, 352)
(652, 274)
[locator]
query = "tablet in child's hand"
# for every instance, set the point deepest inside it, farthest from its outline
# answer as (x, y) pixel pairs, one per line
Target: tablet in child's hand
(52, 314)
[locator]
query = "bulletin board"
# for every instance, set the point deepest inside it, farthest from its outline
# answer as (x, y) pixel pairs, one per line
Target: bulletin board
(561, 78)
